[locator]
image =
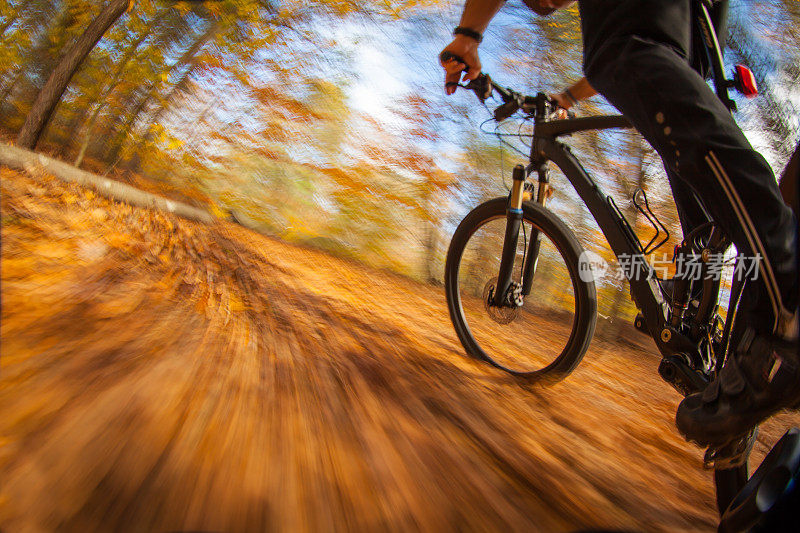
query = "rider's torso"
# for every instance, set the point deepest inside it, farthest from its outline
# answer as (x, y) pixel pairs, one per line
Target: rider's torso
(606, 21)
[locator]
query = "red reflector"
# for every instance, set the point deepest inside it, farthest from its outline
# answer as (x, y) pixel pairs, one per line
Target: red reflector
(745, 81)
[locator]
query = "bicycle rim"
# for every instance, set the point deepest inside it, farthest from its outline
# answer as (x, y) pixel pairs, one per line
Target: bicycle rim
(549, 333)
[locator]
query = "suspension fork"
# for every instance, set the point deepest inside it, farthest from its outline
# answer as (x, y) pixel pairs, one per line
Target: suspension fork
(513, 222)
(532, 258)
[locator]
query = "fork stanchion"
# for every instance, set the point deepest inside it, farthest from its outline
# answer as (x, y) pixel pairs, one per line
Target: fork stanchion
(513, 222)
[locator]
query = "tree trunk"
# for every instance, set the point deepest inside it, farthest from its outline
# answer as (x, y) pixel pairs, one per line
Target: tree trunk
(127, 127)
(431, 246)
(115, 80)
(179, 87)
(54, 88)
(172, 35)
(26, 160)
(188, 58)
(157, 114)
(39, 58)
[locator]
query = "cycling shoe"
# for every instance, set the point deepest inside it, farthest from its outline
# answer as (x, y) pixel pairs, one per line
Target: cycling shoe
(761, 378)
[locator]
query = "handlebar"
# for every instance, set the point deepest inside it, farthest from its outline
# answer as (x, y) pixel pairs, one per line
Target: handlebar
(483, 86)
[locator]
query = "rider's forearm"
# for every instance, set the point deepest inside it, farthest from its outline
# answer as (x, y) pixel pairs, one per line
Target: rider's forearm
(545, 7)
(478, 13)
(581, 90)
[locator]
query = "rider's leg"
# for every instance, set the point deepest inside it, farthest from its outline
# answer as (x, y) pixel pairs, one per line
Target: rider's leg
(701, 145)
(691, 212)
(692, 215)
(670, 104)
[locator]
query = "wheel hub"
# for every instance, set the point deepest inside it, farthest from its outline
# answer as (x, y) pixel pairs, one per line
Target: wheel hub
(509, 311)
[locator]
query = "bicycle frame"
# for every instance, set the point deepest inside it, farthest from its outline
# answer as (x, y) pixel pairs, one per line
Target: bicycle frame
(623, 241)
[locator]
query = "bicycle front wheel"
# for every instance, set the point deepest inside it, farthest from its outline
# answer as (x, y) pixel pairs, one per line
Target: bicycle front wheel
(544, 333)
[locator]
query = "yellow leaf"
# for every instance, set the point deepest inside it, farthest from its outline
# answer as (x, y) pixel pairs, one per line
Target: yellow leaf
(235, 303)
(117, 240)
(174, 143)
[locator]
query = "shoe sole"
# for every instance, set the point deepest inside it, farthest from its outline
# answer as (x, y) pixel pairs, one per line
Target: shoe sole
(705, 443)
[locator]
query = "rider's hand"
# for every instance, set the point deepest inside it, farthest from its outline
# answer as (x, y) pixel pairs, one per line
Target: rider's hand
(564, 104)
(467, 49)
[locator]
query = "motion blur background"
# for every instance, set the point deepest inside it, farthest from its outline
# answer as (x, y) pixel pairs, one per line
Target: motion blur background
(321, 123)
(325, 122)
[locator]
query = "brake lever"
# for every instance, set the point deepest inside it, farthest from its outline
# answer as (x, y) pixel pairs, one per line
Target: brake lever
(481, 86)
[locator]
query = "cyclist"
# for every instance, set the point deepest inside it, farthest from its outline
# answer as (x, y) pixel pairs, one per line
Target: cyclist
(637, 54)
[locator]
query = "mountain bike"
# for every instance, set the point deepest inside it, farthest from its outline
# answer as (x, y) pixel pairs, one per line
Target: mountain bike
(522, 297)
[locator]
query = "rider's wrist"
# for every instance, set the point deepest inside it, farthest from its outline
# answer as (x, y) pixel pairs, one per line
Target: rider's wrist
(465, 44)
(469, 33)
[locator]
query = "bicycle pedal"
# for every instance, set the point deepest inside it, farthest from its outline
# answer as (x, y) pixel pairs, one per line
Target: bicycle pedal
(732, 454)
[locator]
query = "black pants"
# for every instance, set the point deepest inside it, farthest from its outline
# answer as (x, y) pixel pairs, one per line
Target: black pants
(708, 157)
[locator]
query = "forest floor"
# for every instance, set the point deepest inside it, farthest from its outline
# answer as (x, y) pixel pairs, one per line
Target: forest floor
(163, 375)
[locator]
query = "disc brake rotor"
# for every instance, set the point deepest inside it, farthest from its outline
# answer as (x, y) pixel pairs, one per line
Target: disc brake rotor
(501, 315)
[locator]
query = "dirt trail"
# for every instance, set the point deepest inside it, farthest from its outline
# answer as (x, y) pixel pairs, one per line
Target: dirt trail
(158, 374)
